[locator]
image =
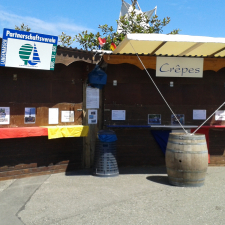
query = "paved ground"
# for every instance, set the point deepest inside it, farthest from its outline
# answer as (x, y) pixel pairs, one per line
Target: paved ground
(136, 196)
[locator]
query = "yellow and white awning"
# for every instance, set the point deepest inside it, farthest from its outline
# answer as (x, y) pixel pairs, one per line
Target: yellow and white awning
(172, 45)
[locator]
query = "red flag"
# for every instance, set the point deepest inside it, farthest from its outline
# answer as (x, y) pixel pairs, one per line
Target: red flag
(102, 41)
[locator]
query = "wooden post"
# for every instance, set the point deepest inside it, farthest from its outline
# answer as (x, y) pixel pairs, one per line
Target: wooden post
(86, 140)
(90, 141)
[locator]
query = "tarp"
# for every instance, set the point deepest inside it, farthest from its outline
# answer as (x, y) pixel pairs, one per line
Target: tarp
(97, 77)
(172, 45)
(107, 136)
(161, 137)
(22, 132)
(67, 131)
(50, 131)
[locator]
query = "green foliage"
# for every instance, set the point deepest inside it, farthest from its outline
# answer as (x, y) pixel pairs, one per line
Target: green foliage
(132, 23)
(87, 40)
(23, 27)
(65, 40)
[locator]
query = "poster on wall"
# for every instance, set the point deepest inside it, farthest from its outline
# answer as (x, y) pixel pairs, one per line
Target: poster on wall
(118, 114)
(154, 119)
(180, 117)
(92, 116)
(28, 50)
(4, 115)
(220, 115)
(179, 67)
(30, 115)
(199, 114)
(67, 116)
(53, 116)
(92, 98)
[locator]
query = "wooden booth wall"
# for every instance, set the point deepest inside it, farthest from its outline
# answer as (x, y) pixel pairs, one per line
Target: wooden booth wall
(61, 88)
(136, 94)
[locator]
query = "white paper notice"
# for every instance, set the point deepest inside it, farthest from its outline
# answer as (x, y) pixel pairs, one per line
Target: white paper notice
(4, 115)
(199, 114)
(118, 114)
(220, 115)
(92, 116)
(92, 98)
(53, 116)
(67, 116)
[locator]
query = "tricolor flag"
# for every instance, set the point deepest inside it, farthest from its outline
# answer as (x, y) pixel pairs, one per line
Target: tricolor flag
(112, 46)
(102, 41)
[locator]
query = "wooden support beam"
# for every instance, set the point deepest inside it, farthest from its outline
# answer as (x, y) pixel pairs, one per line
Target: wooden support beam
(212, 55)
(160, 46)
(214, 64)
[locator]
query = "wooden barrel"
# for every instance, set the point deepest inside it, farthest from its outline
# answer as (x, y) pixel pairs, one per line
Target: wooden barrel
(186, 159)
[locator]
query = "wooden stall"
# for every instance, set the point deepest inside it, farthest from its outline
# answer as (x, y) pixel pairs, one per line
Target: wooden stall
(25, 149)
(63, 88)
(136, 94)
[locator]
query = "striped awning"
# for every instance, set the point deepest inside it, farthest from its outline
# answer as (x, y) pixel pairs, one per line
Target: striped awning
(172, 45)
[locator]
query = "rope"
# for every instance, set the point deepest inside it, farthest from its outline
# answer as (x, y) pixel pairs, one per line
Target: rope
(158, 89)
(93, 57)
(207, 119)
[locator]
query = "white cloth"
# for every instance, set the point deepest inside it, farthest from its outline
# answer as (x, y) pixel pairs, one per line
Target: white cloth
(127, 8)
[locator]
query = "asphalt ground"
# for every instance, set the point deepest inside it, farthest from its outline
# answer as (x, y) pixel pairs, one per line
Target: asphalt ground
(137, 196)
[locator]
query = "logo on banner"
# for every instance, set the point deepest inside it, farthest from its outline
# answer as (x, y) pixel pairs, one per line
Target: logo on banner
(29, 54)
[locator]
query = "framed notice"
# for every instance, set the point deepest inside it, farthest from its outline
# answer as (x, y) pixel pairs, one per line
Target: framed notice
(180, 117)
(220, 115)
(67, 116)
(118, 114)
(53, 116)
(154, 119)
(92, 98)
(92, 116)
(199, 114)
(4, 115)
(30, 115)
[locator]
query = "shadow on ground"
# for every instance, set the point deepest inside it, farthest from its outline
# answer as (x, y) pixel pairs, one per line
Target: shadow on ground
(159, 179)
(143, 170)
(123, 171)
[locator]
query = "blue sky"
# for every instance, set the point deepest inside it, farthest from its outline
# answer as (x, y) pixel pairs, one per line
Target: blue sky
(193, 17)
(30, 110)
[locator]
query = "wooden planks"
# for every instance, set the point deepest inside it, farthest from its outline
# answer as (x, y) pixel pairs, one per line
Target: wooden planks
(214, 64)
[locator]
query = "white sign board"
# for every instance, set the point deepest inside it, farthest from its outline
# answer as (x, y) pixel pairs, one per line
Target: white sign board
(28, 50)
(179, 67)
(53, 116)
(220, 115)
(92, 98)
(199, 114)
(92, 116)
(4, 115)
(67, 116)
(118, 114)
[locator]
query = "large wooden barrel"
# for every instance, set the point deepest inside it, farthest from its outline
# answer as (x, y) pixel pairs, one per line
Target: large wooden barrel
(186, 159)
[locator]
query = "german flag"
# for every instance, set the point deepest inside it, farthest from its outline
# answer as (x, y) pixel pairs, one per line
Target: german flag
(112, 46)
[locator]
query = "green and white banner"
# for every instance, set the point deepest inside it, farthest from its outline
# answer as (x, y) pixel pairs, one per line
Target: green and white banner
(28, 50)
